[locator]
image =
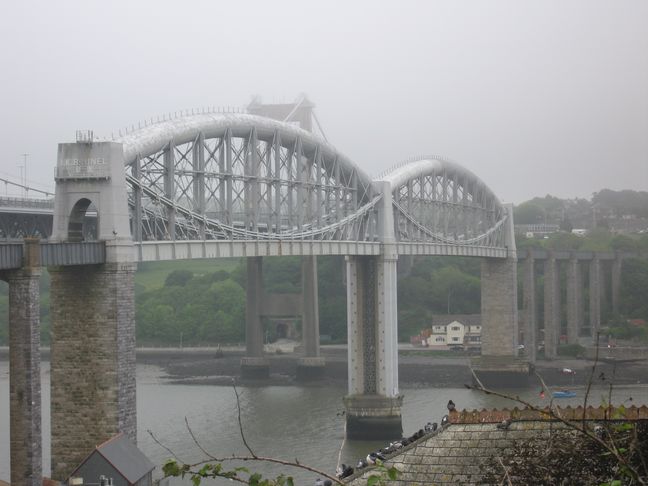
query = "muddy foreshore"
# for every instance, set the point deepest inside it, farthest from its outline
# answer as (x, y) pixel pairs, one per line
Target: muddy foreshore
(416, 369)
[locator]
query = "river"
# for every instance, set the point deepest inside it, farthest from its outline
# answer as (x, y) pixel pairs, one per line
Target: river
(288, 422)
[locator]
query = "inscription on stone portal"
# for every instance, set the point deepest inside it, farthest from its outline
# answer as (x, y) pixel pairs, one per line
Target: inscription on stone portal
(90, 168)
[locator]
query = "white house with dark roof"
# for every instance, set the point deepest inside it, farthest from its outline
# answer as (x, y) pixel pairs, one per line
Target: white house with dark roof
(116, 462)
(459, 330)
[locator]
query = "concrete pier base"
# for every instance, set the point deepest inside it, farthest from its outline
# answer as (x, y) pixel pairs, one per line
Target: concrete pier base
(310, 368)
(500, 371)
(373, 417)
(255, 368)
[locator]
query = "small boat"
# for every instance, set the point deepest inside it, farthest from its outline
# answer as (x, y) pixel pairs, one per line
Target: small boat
(564, 394)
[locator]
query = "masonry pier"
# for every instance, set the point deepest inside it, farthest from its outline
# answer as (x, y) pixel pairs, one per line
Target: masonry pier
(311, 365)
(92, 360)
(261, 304)
(25, 440)
(254, 365)
(499, 364)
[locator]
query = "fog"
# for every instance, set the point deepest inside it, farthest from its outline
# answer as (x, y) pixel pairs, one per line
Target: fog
(535, 97)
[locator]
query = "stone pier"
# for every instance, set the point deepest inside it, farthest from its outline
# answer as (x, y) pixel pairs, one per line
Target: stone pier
(617, 265)
(551, 307)
(260, 304)
(311, 365)
(574, 301)
(595, 296)
(25, 438)
(92, 360)
(254, 365)
(499, 365)
(530, 310)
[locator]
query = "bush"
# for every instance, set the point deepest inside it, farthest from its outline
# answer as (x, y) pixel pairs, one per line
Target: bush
(573, 350)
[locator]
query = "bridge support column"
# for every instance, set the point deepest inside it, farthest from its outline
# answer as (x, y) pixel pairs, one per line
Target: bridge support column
(595, 296)
(499, 364)
(311, 365)
(93, 358)
(25, 438)
(254, 364)
(617, 265)
(373, 404)
(574, 301)
(551, 307)
(530, 309)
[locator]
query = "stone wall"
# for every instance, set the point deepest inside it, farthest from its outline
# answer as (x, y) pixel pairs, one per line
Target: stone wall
(93, 360)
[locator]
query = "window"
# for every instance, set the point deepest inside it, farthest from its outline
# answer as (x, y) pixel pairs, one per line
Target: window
(440, 339)
(455, 339)
(456, 328)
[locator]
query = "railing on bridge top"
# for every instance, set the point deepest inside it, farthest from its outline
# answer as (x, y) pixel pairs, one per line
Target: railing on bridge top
(24, 202)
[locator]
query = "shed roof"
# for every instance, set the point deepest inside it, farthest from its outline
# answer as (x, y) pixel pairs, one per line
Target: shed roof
(124, 456)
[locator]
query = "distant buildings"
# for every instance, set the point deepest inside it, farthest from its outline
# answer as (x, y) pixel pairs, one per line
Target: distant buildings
(462, 331)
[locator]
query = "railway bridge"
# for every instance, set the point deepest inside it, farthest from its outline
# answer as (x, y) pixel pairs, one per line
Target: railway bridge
(212, 184)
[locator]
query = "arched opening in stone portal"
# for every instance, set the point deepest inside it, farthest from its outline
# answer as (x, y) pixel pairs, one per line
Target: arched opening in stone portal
(83, 222)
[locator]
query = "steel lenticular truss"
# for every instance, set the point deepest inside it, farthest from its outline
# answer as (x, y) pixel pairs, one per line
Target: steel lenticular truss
(436, 200)
(239, 176)
(235, 176)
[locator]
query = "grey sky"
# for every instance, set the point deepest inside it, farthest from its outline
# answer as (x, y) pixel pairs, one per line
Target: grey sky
(535, 97)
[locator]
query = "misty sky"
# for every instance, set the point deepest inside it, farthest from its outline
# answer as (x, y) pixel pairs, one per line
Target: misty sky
(535, 97)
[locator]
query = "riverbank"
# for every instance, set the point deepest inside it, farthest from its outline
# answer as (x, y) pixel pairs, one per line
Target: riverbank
(417, 367)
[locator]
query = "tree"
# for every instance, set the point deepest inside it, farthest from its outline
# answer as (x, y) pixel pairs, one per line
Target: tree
(178, 278)
(634, 288)
(528, 213)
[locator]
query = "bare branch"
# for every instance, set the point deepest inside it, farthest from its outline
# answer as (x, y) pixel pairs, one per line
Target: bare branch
(591, 377)
(506, 474)
(173, 454)
(195, 440)
(240, 422)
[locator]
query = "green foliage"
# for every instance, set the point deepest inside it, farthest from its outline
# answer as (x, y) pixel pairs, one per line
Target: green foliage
(622, 202)
(564, 241)
(528, 213)
(205, 310)
(573, 350)
(624, 330)
(437, 286)
(178, 278)
(634, 288)
(379, 476)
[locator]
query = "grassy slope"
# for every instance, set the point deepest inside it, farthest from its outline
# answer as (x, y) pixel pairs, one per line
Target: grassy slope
(152, 275)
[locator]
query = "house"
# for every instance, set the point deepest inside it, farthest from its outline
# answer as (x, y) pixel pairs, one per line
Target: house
(116, 462)
(454, 331)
